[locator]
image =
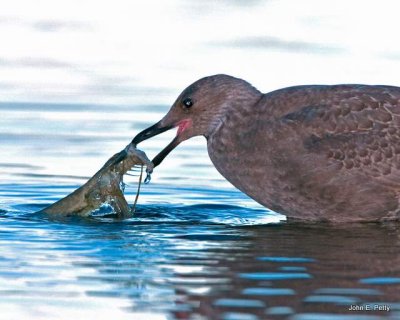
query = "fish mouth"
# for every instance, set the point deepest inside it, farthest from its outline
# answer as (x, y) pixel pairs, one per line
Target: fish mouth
(155, 130)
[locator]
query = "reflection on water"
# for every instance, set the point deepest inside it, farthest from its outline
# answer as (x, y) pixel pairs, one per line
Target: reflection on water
(196, 249)
(196, 268)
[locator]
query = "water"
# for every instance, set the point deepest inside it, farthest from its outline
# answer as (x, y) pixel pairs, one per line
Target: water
(196, 249)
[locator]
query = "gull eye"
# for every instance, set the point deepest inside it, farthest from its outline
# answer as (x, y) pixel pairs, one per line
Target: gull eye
(187, 102)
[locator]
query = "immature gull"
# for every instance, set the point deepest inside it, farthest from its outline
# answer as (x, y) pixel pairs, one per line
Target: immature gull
(316, 152)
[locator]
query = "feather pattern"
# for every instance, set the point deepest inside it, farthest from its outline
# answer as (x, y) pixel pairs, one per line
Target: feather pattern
(316, 152)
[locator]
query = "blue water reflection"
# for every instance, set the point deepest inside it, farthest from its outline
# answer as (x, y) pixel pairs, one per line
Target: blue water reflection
(196, 248)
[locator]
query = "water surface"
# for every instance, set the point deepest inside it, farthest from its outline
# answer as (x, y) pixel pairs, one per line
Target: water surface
(196, 249)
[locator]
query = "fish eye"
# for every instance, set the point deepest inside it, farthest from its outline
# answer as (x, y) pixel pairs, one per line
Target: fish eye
(187, 102)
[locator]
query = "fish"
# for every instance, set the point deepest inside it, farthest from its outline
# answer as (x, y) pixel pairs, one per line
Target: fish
(104, 187)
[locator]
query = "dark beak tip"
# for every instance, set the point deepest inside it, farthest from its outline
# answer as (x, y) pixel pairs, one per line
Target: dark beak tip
(152, 131)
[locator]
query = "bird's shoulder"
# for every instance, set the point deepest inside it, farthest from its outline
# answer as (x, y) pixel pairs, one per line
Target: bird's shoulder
(356, 126)
(337, 109)
(305, 102)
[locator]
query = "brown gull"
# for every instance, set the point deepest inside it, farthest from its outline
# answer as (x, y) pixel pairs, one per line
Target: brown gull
(313, 152)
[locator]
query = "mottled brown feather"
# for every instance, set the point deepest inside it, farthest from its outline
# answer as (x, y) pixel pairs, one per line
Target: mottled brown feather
(361, 131)
(316, 152)
(311, 152)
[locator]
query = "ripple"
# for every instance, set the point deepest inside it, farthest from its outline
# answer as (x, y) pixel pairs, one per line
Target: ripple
(279, 311)
(274, 276)
(198, 281)
(351, 291)
(286, 259)
(238, 316)
(239, 303)
(380, 280)
(212, 237)
(290, 268)
(269, 291)
(206, 214)
(331, 299)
